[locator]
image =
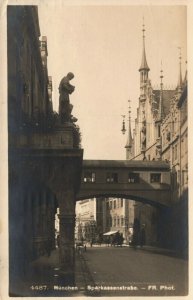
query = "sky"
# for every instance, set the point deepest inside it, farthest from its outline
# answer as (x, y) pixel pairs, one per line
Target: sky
(102, 46)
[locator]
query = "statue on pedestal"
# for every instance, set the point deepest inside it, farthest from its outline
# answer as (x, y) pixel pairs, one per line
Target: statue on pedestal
(65, 108)
(143, 135)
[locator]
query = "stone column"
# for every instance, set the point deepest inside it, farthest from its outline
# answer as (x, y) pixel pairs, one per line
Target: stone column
(36, 225)
(28, 231)
(50, 215)
(66, 244)
(51, 223)
(44, 220)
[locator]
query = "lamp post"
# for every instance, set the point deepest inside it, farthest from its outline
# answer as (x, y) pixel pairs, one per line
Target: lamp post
(129, 119)
(123, 125)
(126, 228)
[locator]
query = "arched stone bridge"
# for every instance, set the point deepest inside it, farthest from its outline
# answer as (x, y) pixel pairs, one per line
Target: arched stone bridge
(145, 181)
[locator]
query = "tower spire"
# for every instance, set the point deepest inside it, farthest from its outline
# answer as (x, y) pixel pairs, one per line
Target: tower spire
(129, 137)
(160, 111)
(144, 65)
(180, 69)
(144, 69)
(186, 75)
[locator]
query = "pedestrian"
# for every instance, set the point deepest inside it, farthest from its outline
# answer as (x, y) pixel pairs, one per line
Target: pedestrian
(142, 236)
(58, 240)
(136, 232)
(121, 239)
(113, 240)
(108, 241)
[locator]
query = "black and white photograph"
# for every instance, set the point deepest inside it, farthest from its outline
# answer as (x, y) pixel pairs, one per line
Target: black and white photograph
(97, 149)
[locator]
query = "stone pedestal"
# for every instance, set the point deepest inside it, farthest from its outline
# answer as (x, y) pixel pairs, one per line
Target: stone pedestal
(62, 137)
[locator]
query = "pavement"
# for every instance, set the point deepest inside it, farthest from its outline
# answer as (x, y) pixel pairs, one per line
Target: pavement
(143, 272)
(45, 271)
(148, 248)
(45, 277)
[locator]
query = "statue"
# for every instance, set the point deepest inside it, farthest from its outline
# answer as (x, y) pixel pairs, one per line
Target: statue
(143, 136)
(65, 108)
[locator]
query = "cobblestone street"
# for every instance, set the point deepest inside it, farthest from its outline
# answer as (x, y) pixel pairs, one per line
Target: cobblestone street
(111, 271)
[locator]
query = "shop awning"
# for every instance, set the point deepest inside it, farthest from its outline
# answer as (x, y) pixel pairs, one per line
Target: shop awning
(110, 232)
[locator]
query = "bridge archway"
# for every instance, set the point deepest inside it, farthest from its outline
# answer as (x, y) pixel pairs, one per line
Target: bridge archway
(127, 196)
(111, 215)
(148, 182)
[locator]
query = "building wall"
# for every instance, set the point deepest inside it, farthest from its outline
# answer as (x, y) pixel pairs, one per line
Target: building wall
(173, 145)
(32, 206)
(160, 133)
(174, 130)
(32, 133)
(27, 69)
(119, 216)
(84, 214)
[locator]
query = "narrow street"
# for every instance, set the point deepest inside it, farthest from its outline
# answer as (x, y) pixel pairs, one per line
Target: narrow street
(95, 149)
(139, 271)
(110, 271)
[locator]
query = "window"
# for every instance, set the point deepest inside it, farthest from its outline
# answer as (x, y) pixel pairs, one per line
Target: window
(118, 200)
(173, 152)
(110, 205)
(182, 147)
(121, 202)
(186, 143)
(155, 177)
(122, 221)
(89, 177)
(112, 177)
(133, 177)
(114, 204)
(117, 221)
(110, 221)
(175, 122)
(107, 205)
(159, 131)
(168, 136)
(114, 222)
(163, 138)
(176, 152)
(186, 176)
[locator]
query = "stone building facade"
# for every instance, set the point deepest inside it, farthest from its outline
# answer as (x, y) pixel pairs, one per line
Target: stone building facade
(90, 219)
(84, 215)
(44, 155)
(160, 133)
(119, 216)
(105, 214)
(29, 108)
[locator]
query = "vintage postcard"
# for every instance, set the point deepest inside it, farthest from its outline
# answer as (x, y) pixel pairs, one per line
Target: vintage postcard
(95, 161)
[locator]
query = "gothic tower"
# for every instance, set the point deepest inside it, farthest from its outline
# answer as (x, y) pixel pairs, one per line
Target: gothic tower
(129, 144)
(144, 69)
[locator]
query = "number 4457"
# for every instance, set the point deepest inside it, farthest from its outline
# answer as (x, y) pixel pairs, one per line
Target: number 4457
(38, 287)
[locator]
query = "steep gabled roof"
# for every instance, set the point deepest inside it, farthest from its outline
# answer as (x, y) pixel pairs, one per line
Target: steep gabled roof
(167, 95)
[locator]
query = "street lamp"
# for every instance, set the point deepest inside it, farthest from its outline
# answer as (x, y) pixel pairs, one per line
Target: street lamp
(123, 125)
(123, 116)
